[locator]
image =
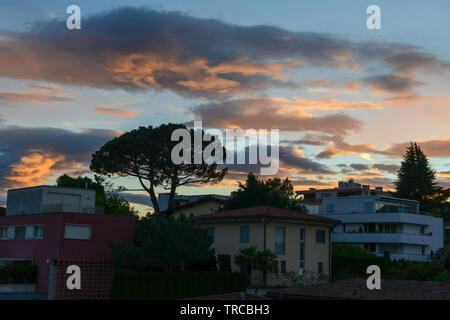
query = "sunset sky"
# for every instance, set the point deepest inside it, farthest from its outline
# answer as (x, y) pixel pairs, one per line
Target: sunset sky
(347, 100)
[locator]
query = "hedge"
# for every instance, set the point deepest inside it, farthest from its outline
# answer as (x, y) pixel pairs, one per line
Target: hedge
(145, 285)
(345, 267)
(18, 273)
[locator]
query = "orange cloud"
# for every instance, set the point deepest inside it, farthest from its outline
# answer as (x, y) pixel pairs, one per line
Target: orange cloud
(197, 74)
(114, 113)
(33, 169)
(37, 168)
(31, 97)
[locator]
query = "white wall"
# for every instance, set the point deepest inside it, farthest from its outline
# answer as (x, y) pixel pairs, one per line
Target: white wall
(46, 199)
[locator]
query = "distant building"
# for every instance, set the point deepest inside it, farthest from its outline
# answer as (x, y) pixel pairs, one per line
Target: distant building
(56, 227)
(373, 219)
(300, 241)
(208, 204)
(180, 200)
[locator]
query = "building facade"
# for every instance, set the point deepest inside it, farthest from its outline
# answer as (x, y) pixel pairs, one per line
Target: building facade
(380, 223)
(55, 240)
(300, 241)
(181, 200)
(204, 205)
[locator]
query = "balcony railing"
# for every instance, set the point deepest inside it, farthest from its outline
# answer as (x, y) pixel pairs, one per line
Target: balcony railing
(406, 238)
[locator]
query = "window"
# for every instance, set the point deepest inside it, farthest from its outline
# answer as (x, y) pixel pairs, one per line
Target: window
(370, 228)
(38, 231)
(302, 251)
(3, 233)
(77, 232)
(320, 236)
(393, 228)
(330, 207)
(279, 240)
(283, 266)
(19, 233)
(368, 207)
(211, 233)
(245, 233)
(320, 269)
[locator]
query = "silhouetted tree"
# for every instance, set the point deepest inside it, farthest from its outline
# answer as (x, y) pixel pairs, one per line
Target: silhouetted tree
(166, 243)
(145, 153)
(417, 181)
(272, 192)
(105, 194)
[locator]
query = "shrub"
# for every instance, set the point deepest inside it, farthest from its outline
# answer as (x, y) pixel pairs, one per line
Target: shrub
(133, 285)
(20, 273)
(346, 249)
(224, 262)
(346, 267)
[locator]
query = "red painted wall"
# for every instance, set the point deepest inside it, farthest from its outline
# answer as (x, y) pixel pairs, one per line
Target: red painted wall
(104, 228)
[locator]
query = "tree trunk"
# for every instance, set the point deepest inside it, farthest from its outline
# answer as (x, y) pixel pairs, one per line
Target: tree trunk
(151, 192)
(154, 199)
(173, 187)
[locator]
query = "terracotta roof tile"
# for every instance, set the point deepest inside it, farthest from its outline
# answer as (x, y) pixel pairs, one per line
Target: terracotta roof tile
(267, 212)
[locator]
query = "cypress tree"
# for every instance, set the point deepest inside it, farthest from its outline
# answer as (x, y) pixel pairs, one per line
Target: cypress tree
(416, 179)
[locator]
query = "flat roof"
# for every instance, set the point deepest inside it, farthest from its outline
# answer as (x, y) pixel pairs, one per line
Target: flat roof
(48, 186)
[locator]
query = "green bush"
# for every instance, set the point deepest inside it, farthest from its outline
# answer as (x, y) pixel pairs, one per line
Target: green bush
(346, 267)
(20, 273)
(224, 262)
(134, 285)
(347, 249)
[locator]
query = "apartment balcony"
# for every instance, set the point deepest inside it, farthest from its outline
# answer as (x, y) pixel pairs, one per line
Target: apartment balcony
(405, 238)
(382, 218)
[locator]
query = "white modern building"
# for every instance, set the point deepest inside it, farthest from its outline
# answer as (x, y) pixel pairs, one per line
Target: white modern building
(48, 199)
(382, 223)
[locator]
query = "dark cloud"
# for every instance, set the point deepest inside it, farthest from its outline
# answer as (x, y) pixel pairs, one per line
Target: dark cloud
(42, 151)
(288, 159)
(308, 182)
(392, 83)
(409, 61)
(389, 168)
(139, 48)
(254, 113)
(359, 166)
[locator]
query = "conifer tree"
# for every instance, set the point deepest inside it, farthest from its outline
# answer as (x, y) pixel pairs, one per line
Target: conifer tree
(417, 180)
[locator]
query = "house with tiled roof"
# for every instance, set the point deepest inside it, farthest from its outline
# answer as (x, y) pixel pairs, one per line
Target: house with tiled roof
(301, 241)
